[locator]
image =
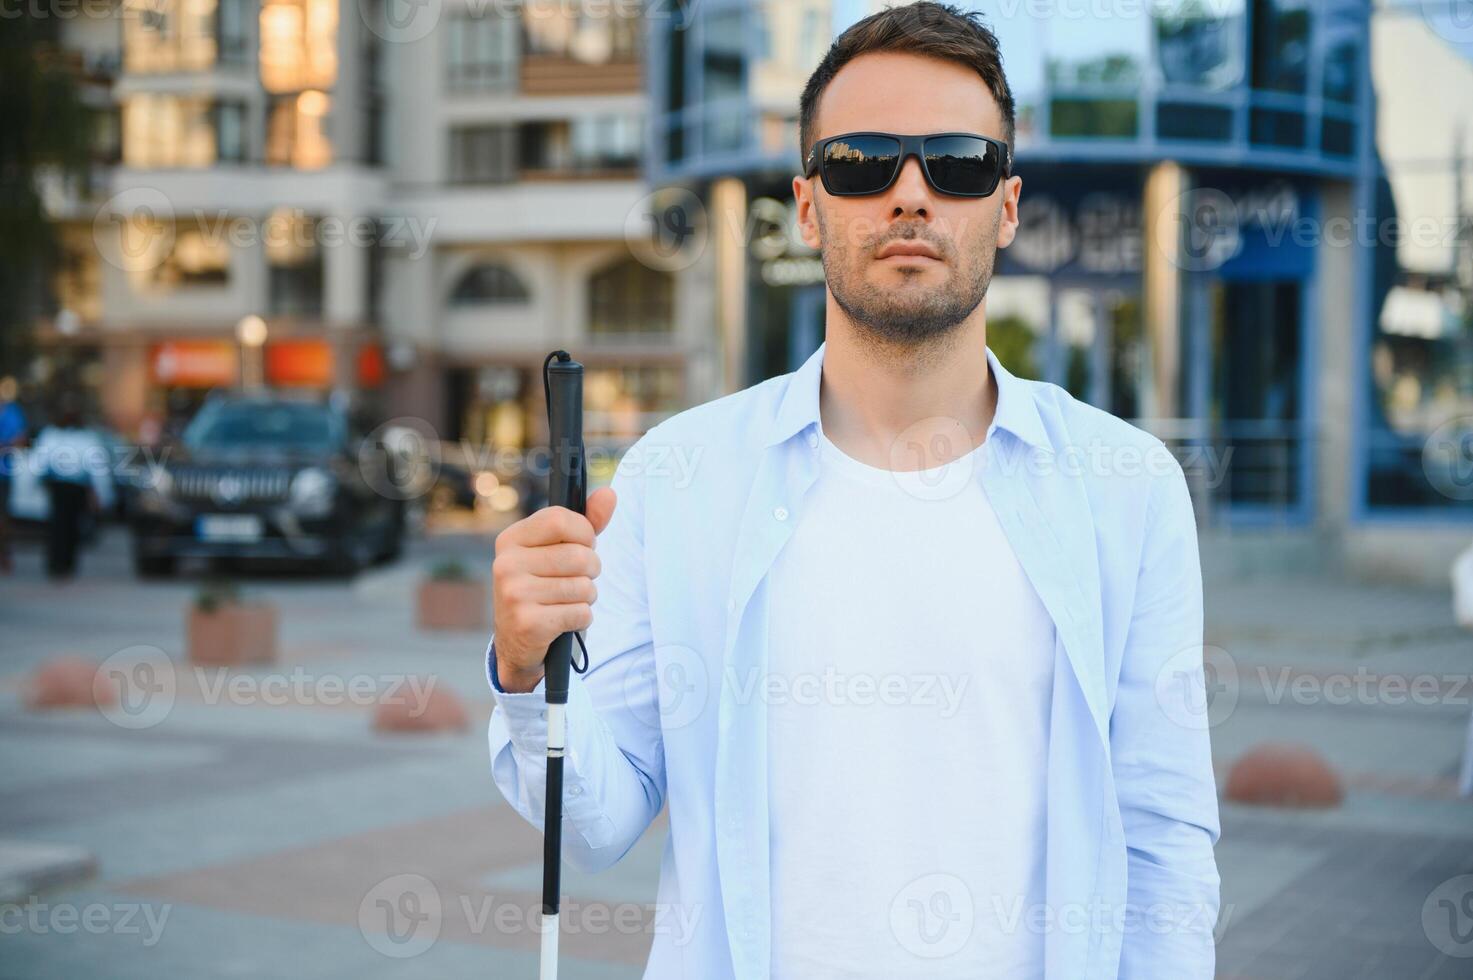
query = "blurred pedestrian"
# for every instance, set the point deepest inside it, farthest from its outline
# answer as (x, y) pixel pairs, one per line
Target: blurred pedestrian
(69, 454)
(12, 438)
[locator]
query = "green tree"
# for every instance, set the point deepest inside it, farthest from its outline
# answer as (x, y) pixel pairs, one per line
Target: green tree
(44, 127)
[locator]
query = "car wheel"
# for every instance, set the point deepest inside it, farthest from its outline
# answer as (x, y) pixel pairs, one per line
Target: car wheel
(154, 566)
(350, 557)
(393, 538)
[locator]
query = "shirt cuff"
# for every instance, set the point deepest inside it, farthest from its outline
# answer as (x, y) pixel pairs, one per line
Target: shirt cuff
(525, 711)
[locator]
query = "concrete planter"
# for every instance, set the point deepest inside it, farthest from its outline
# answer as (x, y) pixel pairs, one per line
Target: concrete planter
(233, 633)
(445, 604)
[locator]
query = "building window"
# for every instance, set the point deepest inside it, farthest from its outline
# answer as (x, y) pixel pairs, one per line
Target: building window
(299, 44)
(1255, 397)
(177, 131)
(294, 264)
(723, 79)
(1094, 70)
(1281, 45)
(621, 403)
(481, 53)
(628, 297)
(591, 36)
(230, 143)
(483, 154)
(197, 257)
(76, 281)
(296, 131)
(232, 32)
(1420, 444)
(489, 282)
(589, 144)
(179, 35)
(1199, 46)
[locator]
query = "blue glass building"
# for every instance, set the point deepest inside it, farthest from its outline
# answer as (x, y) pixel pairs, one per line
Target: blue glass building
(1187, 166)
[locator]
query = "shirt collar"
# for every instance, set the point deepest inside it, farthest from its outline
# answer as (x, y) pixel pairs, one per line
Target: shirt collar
(1017, 411)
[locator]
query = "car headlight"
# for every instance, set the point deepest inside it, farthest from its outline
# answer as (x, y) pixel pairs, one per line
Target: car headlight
(312, 492)
(155, 485)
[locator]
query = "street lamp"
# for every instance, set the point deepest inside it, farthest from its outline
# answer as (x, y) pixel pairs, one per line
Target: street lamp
(251, 333)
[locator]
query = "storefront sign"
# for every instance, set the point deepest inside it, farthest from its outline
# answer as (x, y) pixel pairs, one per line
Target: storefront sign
(194, 363)
(304, 363)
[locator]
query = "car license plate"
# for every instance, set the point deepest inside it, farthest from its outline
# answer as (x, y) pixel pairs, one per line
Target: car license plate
(228, 527)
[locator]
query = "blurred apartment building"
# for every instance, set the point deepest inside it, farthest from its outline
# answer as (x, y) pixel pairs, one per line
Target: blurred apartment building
(1245, 227)
(1216, 243)
(417, 201)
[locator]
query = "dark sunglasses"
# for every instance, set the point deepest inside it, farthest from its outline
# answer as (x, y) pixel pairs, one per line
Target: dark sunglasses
(959, 164)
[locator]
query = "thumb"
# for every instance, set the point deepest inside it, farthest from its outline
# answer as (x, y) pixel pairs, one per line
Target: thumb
(599, 508)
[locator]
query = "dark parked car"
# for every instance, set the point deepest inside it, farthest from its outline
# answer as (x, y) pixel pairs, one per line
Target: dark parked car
(264, 476)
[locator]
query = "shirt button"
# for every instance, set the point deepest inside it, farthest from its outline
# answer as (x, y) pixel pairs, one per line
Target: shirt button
(813, 439)
(731, 605)
(576, 791)
(781, 513)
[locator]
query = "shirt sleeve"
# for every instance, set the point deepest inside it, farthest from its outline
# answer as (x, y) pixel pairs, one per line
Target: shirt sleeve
(1162, 754)
(614, 766)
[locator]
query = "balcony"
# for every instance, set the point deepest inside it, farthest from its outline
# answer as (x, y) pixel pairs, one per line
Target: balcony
(550, 74)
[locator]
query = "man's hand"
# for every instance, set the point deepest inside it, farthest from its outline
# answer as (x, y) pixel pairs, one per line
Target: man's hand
(542, 585)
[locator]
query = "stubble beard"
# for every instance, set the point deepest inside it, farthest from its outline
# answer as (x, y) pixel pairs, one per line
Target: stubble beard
(910, 318)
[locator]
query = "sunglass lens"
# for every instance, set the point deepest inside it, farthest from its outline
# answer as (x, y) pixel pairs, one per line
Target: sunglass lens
(963, 164)
(859, 164)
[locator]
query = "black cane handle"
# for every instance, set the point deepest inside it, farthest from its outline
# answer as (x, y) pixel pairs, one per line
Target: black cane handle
(567, 482)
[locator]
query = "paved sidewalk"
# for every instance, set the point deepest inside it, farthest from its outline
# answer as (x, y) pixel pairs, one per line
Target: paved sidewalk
(256, 836)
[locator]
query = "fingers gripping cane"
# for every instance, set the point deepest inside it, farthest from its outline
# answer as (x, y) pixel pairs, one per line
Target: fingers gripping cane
(562, 381)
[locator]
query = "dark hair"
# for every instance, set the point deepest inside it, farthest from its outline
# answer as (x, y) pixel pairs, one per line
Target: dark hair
(938, 30)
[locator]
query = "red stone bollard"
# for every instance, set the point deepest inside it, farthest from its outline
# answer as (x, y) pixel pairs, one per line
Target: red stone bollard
(232, 634)
(69, 682)
(420, 708)
(1282, 774)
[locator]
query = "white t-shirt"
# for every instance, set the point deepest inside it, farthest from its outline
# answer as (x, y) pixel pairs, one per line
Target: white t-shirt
(910, 676)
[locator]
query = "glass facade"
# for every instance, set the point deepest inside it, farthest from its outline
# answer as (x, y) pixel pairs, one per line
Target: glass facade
(1172, 79)
(1265, 107)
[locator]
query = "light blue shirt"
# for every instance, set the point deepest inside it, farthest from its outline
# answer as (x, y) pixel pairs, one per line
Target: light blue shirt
(1099, 517)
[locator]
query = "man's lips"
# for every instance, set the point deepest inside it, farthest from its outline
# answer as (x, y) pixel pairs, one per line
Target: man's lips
(911, 249)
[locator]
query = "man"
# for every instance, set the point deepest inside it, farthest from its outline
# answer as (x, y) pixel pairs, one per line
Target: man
(74, 469)
(910, 647)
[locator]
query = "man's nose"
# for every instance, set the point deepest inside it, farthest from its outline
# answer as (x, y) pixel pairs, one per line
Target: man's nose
(910, 194)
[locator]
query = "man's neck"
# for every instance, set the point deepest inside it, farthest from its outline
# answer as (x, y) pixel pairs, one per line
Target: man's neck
(906, 408)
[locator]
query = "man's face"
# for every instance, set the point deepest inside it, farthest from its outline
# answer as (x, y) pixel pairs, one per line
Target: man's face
(898, 297)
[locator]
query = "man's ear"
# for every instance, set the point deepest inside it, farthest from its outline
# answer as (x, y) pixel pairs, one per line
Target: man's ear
(1007, 225)
(803, 190)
